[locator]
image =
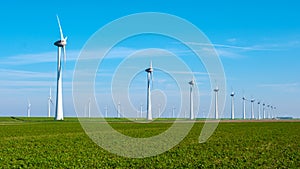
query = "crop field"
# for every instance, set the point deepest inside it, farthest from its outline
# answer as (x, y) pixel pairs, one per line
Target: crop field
(44, 143)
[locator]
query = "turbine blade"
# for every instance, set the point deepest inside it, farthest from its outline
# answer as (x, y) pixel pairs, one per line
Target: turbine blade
(60, 29)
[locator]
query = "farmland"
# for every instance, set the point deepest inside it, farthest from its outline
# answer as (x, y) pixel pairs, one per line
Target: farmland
(44, 143)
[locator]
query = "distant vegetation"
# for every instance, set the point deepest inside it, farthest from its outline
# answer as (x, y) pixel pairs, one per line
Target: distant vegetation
(44, 143)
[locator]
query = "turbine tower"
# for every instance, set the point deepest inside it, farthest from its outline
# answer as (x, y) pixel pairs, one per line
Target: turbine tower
(106, 111)
(59, 114)
(192, 83)
(89, 108)
(119, 110)
(149, 81)
(264, 111)
(252, 108)
(272, 113)
(50, 102)
(216, 90)
(232, 105)
(141, 110)
(244, 107)
(28, 108)
(258, 110)
(268, 111)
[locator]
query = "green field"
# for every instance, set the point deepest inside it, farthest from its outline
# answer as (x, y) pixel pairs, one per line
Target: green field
(44, 143)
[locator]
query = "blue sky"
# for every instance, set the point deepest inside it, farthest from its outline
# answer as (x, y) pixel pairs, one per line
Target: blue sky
(258, 43)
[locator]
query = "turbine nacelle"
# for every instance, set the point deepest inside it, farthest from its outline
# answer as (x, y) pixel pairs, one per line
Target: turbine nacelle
(232, 94)
(192, 82)
(216, 89)
(61, 43)
(150, 69)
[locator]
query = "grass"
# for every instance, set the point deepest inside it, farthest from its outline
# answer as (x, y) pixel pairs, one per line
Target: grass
(44, 143)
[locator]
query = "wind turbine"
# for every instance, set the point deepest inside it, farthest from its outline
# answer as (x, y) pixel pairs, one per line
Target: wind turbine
(258, 110)
(50, 102)
(272, 113)
(264, 111)
(159, 110)
(191, 83)
(59, 114)
(244, 107)
(89, 108)
(28, 108)
(173, 112)
(252, 108)
(141, 110)
(149, 81)
(232, 105)
(216, 90)
(268, 111)
(119, 110)
(106, 111)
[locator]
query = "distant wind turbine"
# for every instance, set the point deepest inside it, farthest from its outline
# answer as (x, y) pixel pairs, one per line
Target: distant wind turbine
(272, 113)
(252, 108)
(119, 110)
(149, 81)
(159, 110)
(173, 112)
(264, 111)
(28, 108)
(50, 102)
(192, 83)
(232, 105)
(268, 111)
(59, 115)
(244, 107)
(89, 107)
(258, 110)
(106, 111)
(216, 90)
(141, 110)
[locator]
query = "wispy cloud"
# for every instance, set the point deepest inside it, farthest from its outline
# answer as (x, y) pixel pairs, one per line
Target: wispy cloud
(280, 85)
(284, 87)
(248, 48)
(44, 57)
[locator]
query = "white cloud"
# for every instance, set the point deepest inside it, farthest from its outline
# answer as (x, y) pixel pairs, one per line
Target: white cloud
(284, 87)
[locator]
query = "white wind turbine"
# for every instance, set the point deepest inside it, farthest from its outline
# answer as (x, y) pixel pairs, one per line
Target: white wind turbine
(244, 107)
(141, 110)
(173, 112)
(258, 110)
(50, 102)
(149, 81)
(59, 115)
(272, 113)
(264, 111)
(216, 90)
(89, 108)
(28, 108)
(252, 108)
(268, 111)
(119, 110)
(232, 105)
(192, 83)
(106, 111)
